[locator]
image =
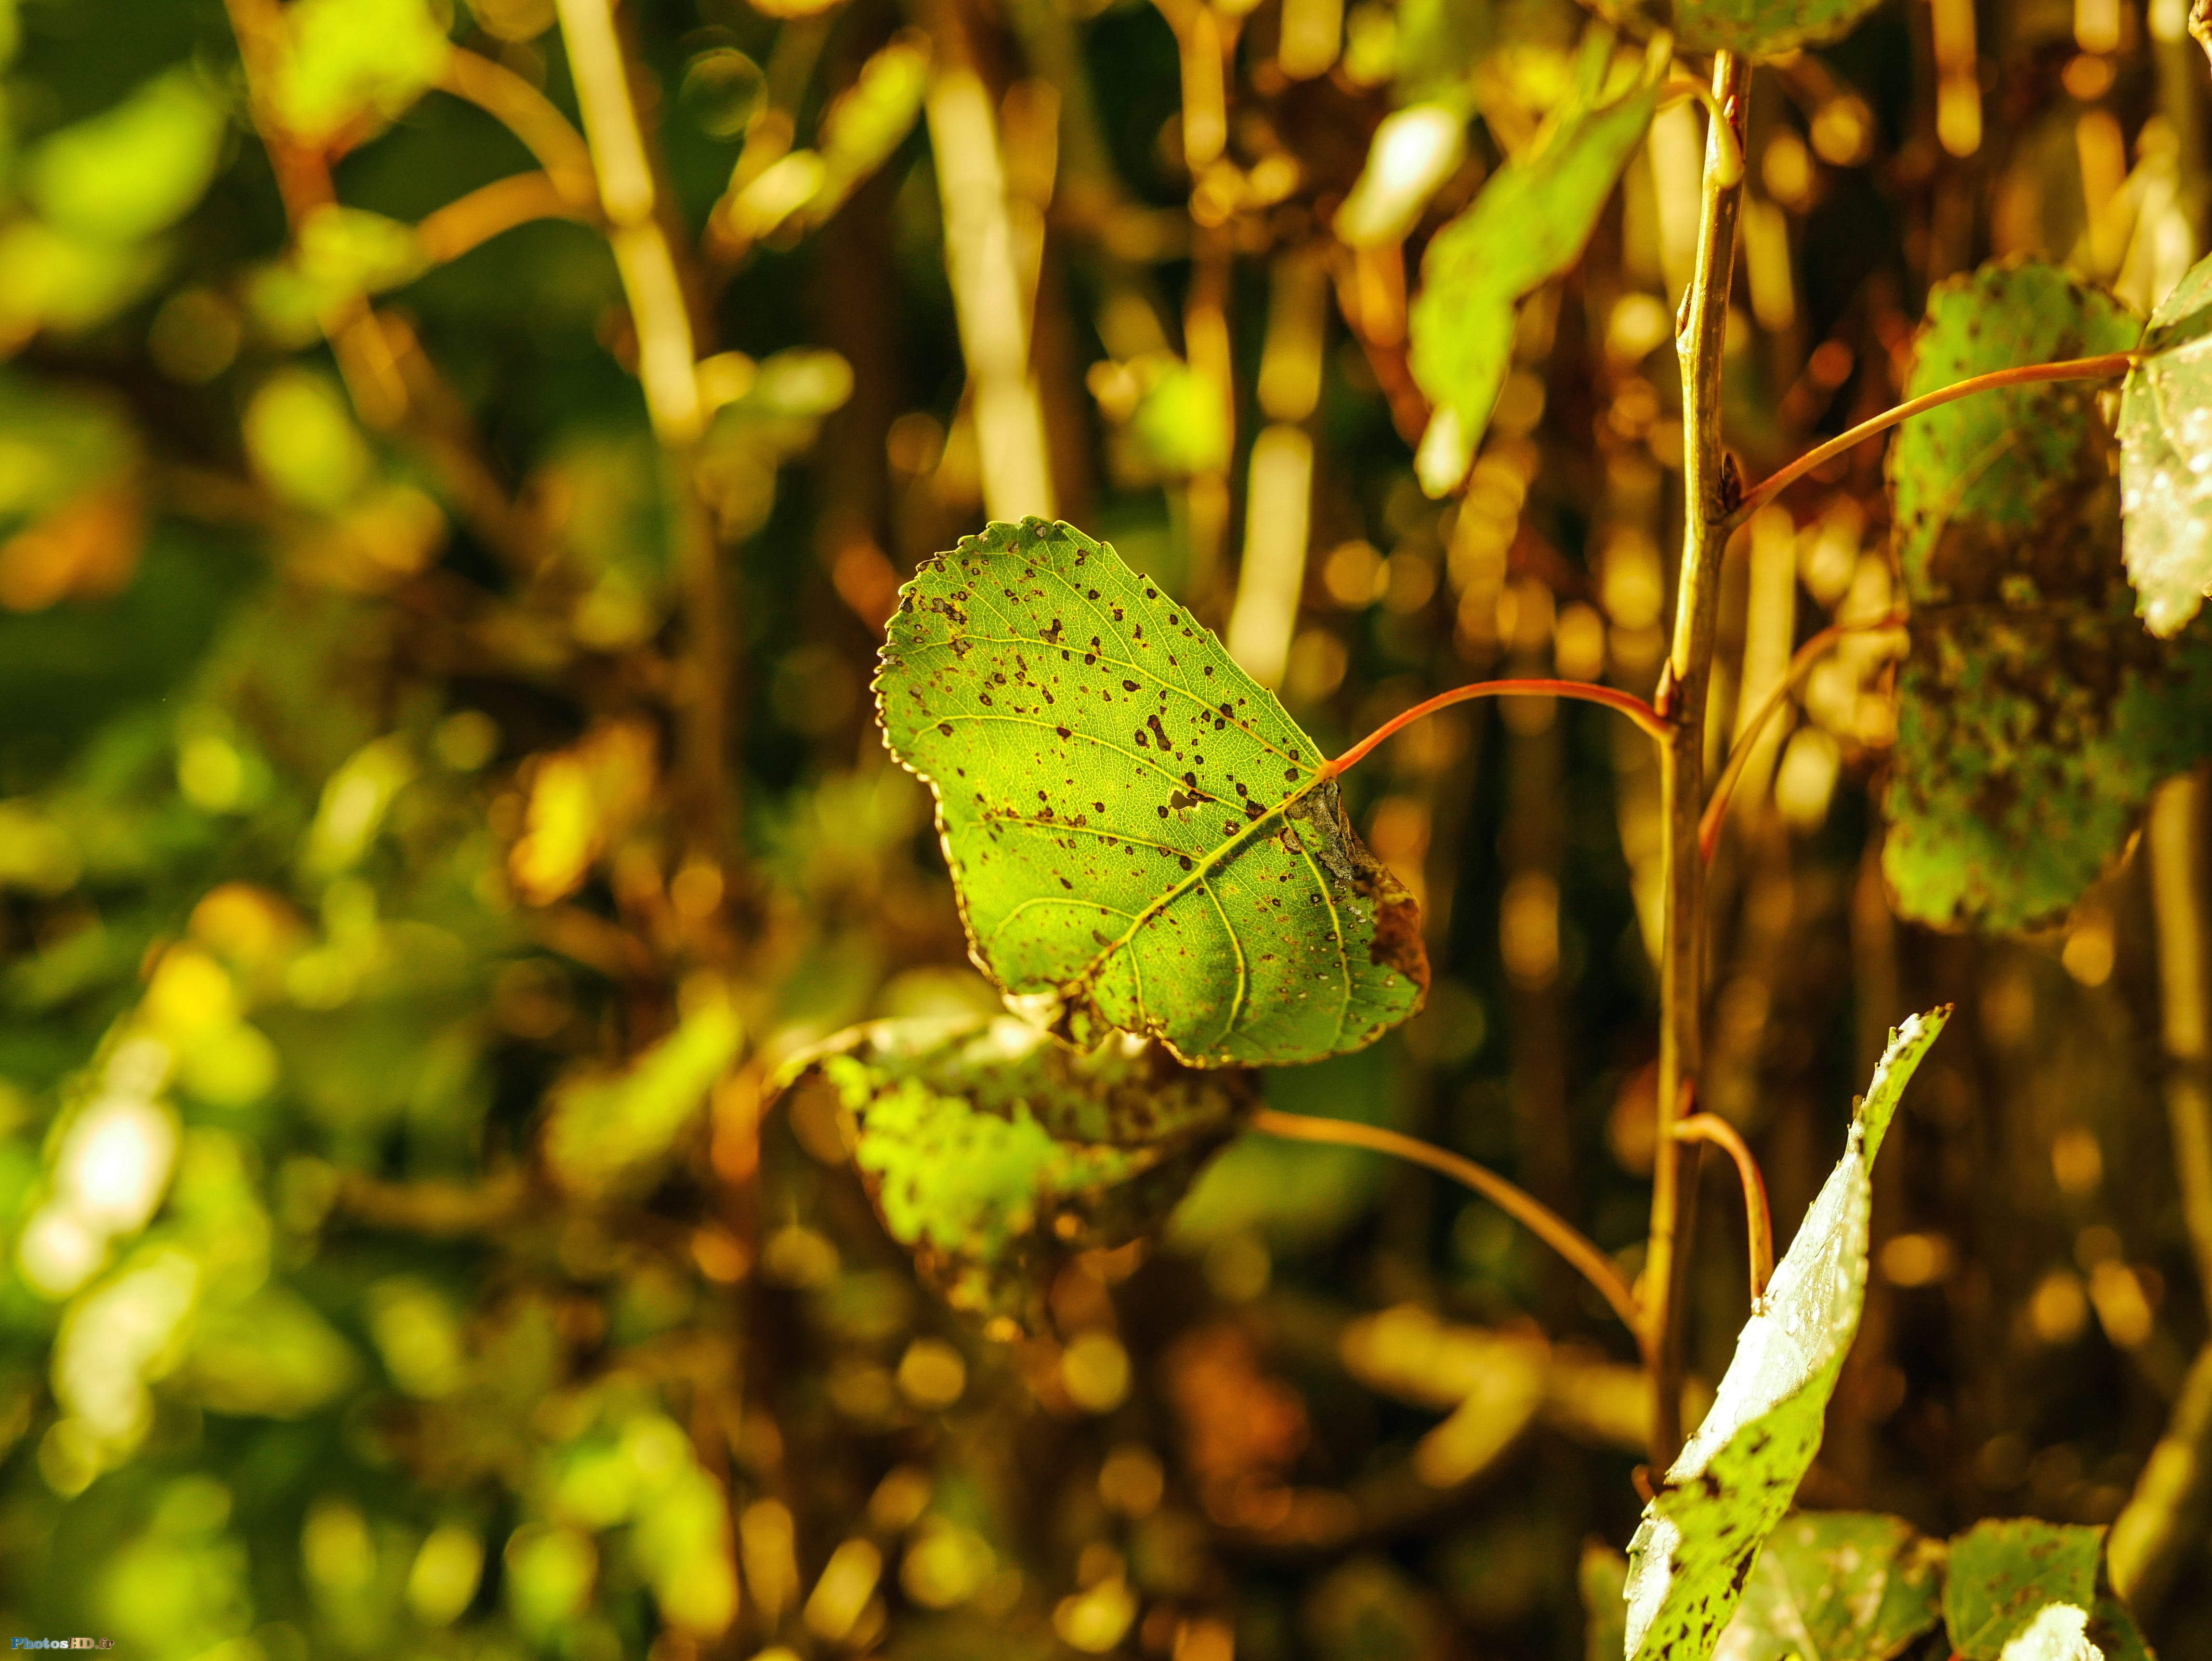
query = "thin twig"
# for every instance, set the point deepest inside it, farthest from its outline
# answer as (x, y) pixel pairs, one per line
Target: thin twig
(1562, 1236)
(532, 117)
(1758, 1222)
(2104, 367)
(1581, 690)
(473, 220)
(1800, 666)
(1709, 483)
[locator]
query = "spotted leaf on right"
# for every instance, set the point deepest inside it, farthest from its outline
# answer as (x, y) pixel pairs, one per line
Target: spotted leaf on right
(2166, 459)
(2034, 715)
(1759, 29)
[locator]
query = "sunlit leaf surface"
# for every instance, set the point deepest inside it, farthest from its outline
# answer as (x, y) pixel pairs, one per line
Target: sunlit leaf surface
(1695, 1552)
(2166, 459)
(1143, 840)
(2034, 715)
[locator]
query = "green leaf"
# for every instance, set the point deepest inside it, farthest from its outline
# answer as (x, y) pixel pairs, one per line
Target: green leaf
(1758, 27)
(2010, 1582)
(1142, 840)
(868, 120)
(605, 1133)
(1526, 226)
(352, 59)
(989, 1148)
(2034, 715)
(2166, 459)
(272, 1355)
(1837, 1586)
(1692, 1557)
(1604, 1580)
(134, 169)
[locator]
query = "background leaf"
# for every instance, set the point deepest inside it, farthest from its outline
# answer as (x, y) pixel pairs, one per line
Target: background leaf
(2166, 459)
(2034, 715)
(1603, 1581)
(1736, 1474)
(133, 170)
(1758, 27)
(990, 1148)
(2003, 1575)
(1141, 837)
(1528, 226)
(1837, 1586)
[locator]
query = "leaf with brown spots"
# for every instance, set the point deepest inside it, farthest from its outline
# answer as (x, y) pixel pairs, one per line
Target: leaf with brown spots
(1142, 840)
(2006, 1576)
(991, 1150)
(1837, 1585)
(1701, 1535)
(1759, 29)
(2034, 715)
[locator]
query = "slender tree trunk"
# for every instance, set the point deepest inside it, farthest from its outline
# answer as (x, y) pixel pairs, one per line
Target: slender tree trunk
(1710, 489)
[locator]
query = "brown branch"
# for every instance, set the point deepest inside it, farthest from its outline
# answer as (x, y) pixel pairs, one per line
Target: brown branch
(1709, 487)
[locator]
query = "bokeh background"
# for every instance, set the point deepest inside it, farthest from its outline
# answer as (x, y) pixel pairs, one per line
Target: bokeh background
(437, 790)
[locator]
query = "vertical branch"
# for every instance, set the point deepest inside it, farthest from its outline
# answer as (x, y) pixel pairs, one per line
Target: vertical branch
(643, 256)
(1206, 42)
(1710, 489)
(2178, 903)
(1277, 502)
(2164, 1517)
(667, 358)
(988, 291)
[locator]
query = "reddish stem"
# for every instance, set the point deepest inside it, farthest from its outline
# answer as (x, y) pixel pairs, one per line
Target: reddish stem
(2105, 368)
(1758, 1221)
(1801, 665)
(1627, 703)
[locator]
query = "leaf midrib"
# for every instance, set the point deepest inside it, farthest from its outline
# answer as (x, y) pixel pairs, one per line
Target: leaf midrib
(1202, 863)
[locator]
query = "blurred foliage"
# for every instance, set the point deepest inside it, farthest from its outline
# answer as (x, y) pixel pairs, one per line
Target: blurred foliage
(434, 809)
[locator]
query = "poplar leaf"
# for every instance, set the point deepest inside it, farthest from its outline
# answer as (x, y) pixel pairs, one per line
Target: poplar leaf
(2166, 459)
(990, 1149)
(1837, 1586)
(2034, 715)
(1760, 28)
(1527, 226)
(2008, 1577)
(1701, 1535)
(606, 1133)
(1142, 840)
(134, 169)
